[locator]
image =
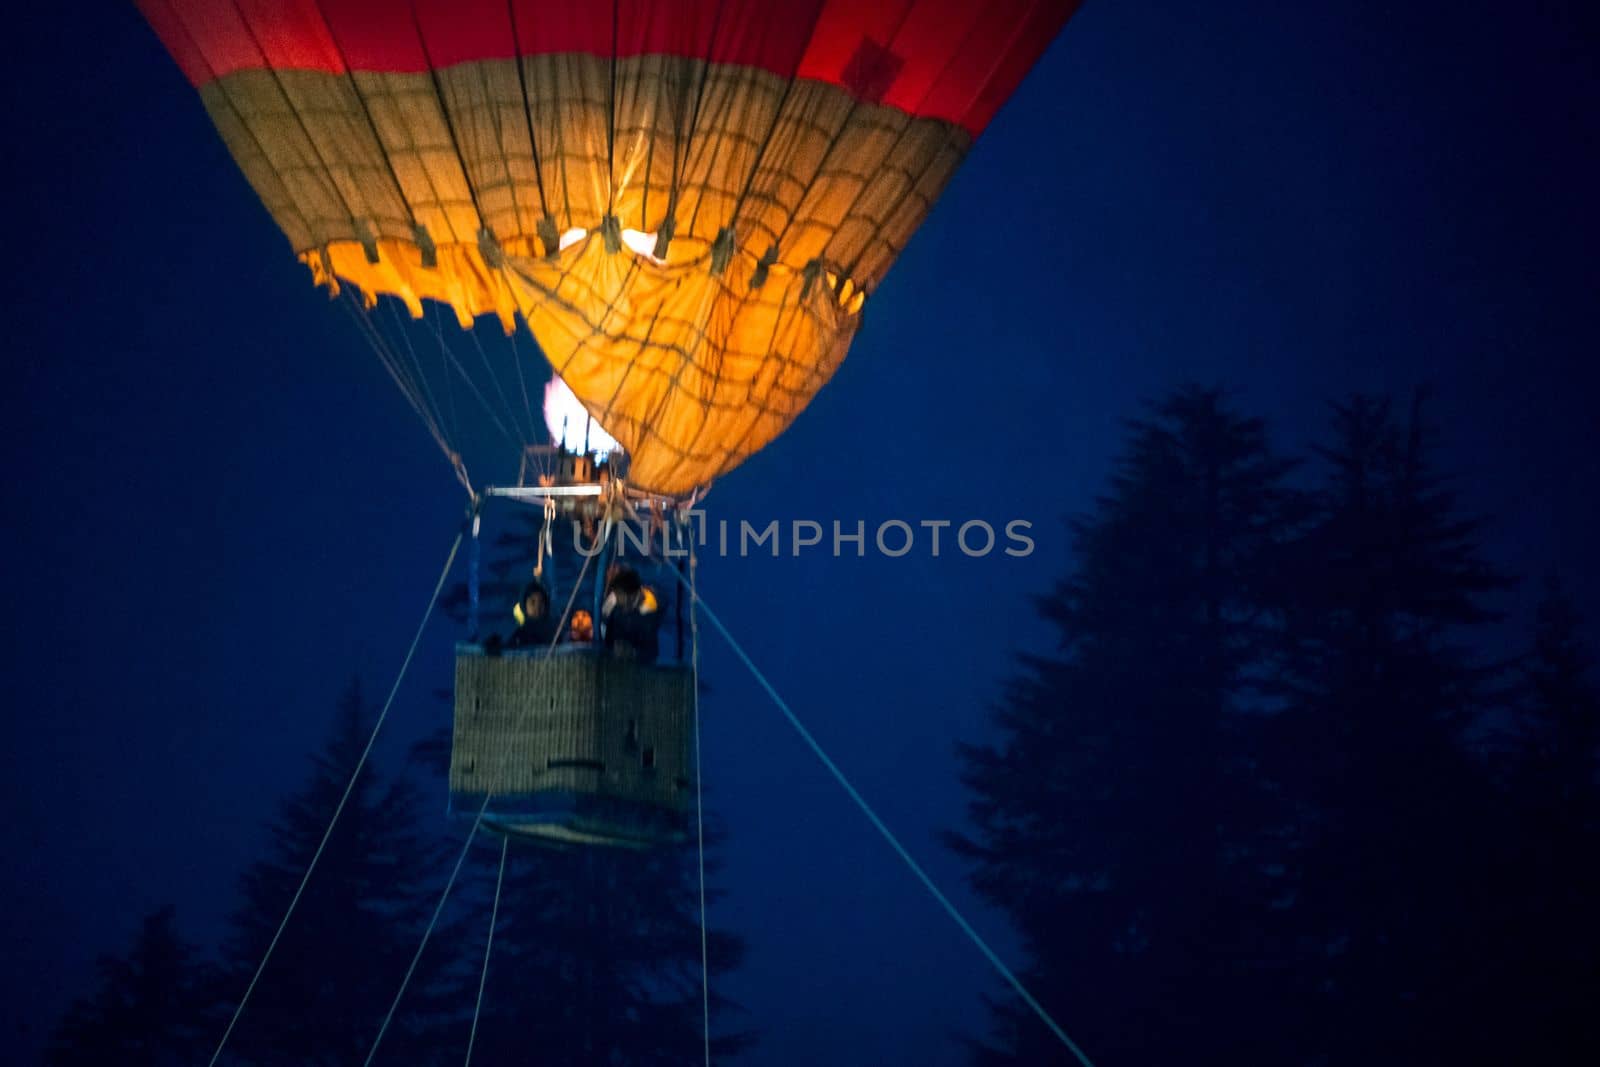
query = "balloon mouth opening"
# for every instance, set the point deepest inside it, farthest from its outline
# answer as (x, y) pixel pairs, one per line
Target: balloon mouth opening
(644, 245)
(849, 293)
(570, 424)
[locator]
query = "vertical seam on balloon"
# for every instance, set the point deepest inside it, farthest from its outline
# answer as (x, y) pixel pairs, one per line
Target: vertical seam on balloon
(684, 139)
(299, 119)
(377, 138)
(650, 156)
(685, 355)
(777, 115)
(951, 126)
(699, 104)
(649, 161)
(500, 143)
(834, 141)
(611, 115)
(449, 121)
(527, 110)
(227, 97)
(909, 120)
(905, 14)
(738, 207)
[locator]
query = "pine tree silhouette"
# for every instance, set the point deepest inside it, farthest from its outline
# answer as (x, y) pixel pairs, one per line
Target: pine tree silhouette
(334, 973)
(151, 1009)
(1559, 728)
(1116, 815)
(1548, 877)
(1383, 805)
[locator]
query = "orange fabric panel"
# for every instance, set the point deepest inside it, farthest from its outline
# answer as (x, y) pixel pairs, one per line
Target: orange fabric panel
(691, 368)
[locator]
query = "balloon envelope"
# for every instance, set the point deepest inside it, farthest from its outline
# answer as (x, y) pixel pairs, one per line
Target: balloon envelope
(687, 200)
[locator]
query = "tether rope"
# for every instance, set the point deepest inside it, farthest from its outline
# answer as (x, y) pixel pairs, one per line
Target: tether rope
(416, 957)
(699, 803)
(888, 835)
(338, 810)
(483, 976)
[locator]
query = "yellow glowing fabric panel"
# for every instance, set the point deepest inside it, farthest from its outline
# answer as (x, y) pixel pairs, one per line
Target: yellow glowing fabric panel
(786, 201)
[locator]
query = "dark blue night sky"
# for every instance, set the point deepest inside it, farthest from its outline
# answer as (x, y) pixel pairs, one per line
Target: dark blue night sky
(219, 511)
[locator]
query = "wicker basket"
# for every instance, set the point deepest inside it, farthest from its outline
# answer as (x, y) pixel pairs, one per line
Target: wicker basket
(572, 745)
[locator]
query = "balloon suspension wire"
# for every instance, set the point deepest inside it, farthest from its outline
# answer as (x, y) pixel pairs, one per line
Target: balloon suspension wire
(522, 386)
(416, 957)
(699, 800)
(483, 976)
(524, 432)
(507, 408)
(419, 372)
(344, 798)
(888, 835)
(405, 370)
(450, 361)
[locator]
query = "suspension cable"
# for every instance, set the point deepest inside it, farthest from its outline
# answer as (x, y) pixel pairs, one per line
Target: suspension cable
(483, 977)
(450, 360)
(344, 798)
(426, 934)
(888, 835)
(699, 801)
(411, 380)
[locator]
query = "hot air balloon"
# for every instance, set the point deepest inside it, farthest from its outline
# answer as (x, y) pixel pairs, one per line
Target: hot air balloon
(686, 203)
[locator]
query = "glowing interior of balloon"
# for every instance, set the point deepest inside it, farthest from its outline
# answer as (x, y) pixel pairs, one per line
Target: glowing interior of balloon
(642, 244)
(570, 425)
(571, 237)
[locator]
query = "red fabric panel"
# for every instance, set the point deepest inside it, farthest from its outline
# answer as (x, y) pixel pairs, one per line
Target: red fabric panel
(211, 37)
(549, 26)
(933, 41)
(179, 42)
(459, 31)
(1028, 44)
(955, 60)
(839, 33)
(291, 34)
(373, 34)
(761, 33)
